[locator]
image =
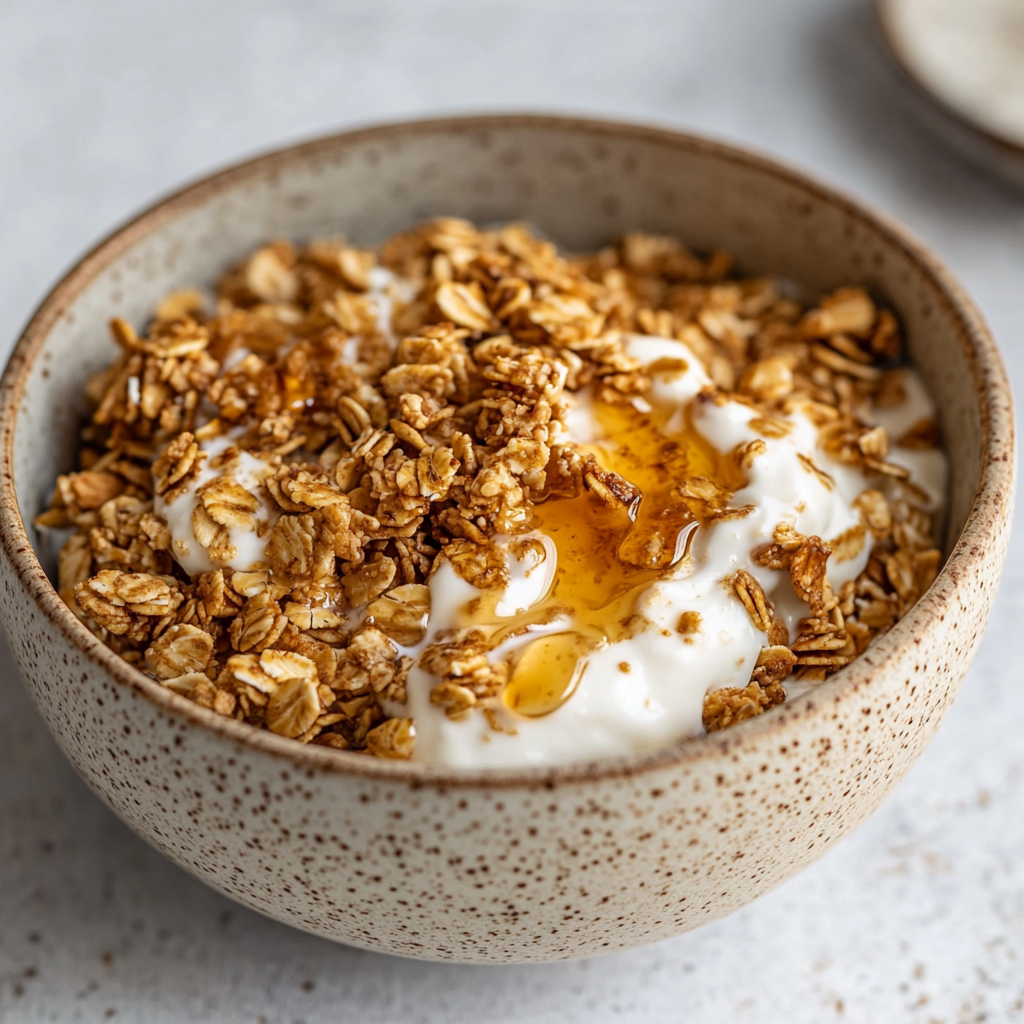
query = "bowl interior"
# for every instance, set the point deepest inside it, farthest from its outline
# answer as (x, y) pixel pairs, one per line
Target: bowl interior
(582, 183)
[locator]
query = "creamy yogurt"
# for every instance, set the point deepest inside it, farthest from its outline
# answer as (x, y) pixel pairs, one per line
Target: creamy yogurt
(646, 691)
(386, 288)
(249, 545)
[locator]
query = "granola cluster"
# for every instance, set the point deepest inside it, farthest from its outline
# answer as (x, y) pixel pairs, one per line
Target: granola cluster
(358, 413)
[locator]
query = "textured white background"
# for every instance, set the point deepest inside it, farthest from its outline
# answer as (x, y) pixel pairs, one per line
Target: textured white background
(103, 105)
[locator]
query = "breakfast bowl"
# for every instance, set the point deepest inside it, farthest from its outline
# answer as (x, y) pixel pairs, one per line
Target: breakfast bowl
(504, 864)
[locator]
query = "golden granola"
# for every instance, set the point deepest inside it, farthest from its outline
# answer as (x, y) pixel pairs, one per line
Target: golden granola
(384, 440)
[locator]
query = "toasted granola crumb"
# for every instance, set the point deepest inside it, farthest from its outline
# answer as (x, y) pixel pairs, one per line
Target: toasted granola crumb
(392, 739)
(293, 707)
(402, 613)
(378, 457)
(259, 623)
(179, 650)
(689, 622)
(734, 704)
(749, 591)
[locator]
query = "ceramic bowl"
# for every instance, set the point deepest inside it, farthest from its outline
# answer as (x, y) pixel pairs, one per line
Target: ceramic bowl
(523, 864)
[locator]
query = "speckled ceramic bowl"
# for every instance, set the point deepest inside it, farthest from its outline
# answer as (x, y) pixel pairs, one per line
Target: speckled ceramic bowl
(525, 864)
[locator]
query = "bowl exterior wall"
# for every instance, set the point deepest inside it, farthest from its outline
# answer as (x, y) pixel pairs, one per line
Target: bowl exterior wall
(480, 874)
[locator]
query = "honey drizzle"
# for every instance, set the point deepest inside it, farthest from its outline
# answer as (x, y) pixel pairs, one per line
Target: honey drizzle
(607, 557)
(299, 392)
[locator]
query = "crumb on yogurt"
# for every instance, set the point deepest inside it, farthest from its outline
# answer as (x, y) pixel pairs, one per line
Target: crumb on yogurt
(467, 500)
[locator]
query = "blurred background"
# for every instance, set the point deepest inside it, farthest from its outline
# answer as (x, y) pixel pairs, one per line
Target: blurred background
(106, 105)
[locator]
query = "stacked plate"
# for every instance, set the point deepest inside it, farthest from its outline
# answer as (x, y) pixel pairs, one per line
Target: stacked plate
(964, 60)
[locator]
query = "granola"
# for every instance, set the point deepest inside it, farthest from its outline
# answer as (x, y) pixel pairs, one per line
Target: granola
(276, 484)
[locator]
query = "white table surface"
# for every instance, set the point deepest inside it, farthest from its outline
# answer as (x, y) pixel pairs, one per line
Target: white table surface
(917, 917)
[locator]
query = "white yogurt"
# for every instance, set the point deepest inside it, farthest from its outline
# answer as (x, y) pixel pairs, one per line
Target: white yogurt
(385, 289)
(249, 545)
(928, 466)
(660, 698)
(644, 692)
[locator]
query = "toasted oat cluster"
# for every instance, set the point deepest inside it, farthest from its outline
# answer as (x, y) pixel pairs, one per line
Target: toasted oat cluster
(350, 415)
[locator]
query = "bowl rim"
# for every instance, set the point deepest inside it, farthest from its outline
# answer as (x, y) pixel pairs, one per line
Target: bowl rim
(986, 521)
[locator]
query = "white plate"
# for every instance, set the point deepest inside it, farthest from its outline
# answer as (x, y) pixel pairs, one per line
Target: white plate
(965, 61)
